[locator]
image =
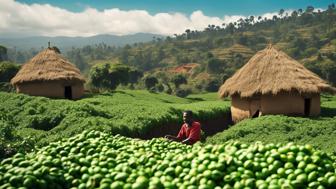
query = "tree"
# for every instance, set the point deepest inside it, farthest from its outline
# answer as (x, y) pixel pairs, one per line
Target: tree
(178, 80)
(212, 85)
(134, 75)
(79, 61)
(214, 65)
(251, 19)
(300, 11)
(299, 43)
(242, 39)
(118, 74)
(281, 12)
(3, 54)
(328, 69)
(109, 75)
(7, 71)
(309, 9)
(294, 14)
(182, 92)
(238, 60)
(187, 33)
(150, 82)
(99, 76)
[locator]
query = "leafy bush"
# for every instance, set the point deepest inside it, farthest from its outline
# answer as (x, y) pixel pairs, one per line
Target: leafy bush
(7, 71)
(182, 92)
(150, 81)
(130, 113)
(110, 75)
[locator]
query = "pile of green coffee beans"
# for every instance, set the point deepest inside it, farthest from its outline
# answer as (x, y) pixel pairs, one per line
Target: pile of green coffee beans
(98, 160)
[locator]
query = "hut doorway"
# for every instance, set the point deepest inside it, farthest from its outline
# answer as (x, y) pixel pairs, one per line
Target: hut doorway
(307, 104)
(68, 92)
(255, 108)
(256, 114)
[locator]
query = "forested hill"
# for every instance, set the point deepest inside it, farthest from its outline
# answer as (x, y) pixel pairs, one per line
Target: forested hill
(305, 35)
(214, 54)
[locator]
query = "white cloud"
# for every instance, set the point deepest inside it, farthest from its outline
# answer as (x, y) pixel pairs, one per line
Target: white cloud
(19, 19)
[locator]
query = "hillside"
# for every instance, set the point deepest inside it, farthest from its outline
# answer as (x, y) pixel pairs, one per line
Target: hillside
(308, 36)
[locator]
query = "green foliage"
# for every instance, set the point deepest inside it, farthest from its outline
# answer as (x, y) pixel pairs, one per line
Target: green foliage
(204, 97)
(150, 82)
(130, 113)
(180, 92)
(318, 132)
(215, 65)
(100, 160)
(7, 71)
(3, 53)
(134, 75)
(328, 68)
(212, 85)
(178, 80)
(110, 75)
(6, 87)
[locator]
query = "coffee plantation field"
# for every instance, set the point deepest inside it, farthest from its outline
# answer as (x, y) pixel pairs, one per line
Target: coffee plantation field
(317, 131)
(26, 121)
(98, 160)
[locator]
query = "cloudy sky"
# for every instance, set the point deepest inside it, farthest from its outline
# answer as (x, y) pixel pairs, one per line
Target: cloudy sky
(121, 17)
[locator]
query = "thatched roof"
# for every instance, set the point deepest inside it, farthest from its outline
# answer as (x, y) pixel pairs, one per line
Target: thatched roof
(271, 71)
(48, 65)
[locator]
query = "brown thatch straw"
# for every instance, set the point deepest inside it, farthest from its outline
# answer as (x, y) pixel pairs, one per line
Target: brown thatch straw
(48, 65)
(271, 71)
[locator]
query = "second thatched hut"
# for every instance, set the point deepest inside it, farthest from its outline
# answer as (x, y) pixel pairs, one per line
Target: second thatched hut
(273, 83)
(49, 74)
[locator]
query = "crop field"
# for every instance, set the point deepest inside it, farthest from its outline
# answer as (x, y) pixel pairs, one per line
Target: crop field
(320, 131)
(85, 144)
(99, 160)
(27, 121)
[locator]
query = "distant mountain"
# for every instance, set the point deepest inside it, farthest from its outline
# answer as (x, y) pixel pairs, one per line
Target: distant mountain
(65, 43)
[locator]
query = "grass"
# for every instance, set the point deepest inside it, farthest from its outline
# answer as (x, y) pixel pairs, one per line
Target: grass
(204, 96)
(319, 132)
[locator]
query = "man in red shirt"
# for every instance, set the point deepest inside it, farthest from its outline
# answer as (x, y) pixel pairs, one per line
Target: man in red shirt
(190, 131)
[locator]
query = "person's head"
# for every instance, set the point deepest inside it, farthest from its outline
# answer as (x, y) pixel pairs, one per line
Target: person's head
(187, 116)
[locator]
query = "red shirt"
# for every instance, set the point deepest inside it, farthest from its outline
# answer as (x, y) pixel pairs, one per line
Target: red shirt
(193, 132)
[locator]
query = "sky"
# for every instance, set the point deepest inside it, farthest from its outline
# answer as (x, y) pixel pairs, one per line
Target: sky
(123, 17)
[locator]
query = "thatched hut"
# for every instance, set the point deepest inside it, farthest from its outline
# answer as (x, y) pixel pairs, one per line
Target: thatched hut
(49, 74)
(273, 83)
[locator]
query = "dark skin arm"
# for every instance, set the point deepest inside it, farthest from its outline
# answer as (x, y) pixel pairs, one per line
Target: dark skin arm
(186, 141)
(173, 138)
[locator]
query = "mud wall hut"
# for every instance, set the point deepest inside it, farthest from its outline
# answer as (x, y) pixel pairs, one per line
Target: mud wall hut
(49, 74)
(271, 82)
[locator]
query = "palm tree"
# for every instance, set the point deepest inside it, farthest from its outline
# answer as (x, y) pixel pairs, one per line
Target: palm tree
(281, 12)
